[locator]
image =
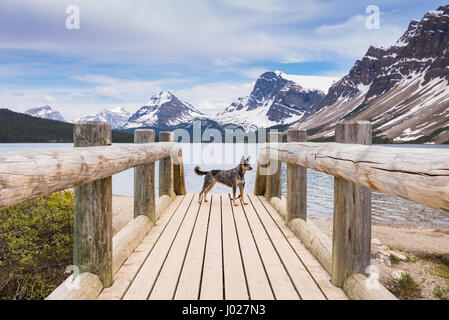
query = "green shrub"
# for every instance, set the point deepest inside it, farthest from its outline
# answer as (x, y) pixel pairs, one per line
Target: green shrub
(441, 293)
(404, 288)
(36, 245)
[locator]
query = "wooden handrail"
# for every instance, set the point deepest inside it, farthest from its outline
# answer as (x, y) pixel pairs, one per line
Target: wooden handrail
(411, 173)
(29, 174)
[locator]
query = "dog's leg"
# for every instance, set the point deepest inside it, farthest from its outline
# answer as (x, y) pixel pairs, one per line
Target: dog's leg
(208, 189)
(200, 196)
(206, 184)
(241, 187)
(234, 187)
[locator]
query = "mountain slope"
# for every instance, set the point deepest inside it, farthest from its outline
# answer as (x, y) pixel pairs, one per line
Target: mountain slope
(403, 90)
(116, 117)
(45, 112)
(163, 110)
(18, 127)
(274, 100)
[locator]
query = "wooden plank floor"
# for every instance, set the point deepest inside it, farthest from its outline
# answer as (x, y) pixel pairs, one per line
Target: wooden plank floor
(217, 251)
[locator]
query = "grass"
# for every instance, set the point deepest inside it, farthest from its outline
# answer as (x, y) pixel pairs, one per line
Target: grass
(394, 259)
(36, 245)
(441, 270)
(404, 288)
(441, 293)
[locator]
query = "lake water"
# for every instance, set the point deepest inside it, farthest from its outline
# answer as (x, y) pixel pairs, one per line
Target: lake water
(385, 209)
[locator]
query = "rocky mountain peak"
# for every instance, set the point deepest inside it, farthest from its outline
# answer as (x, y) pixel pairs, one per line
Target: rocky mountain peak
(163, 109)
(45, 112)
(402, 90)
(116, 117)
(273, 100)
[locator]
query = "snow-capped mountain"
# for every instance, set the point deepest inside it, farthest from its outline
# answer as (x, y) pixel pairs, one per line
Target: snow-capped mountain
(116, 117)
(274, 100)
(45, 112)
(403, 90)
(163, 110)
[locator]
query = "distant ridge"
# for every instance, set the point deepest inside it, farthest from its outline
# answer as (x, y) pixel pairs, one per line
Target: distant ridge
(20, 128)
(45, 112)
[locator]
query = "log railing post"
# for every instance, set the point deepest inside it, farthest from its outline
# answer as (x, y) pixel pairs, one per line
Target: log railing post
(166, 173)
(273, 184)
(93, 210)
(351, 251)
(144, 193)
(296, 182)
(178, 172)
(261, 180)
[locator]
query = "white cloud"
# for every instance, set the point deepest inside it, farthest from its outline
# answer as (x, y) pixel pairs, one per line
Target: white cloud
(216, 33)
(212, 98)
(49, 99)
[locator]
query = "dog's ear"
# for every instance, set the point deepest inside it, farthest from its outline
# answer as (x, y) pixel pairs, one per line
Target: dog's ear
(247, 159)
(242, 161)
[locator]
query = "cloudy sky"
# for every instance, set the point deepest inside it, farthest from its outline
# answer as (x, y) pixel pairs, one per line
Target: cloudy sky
(206, 52)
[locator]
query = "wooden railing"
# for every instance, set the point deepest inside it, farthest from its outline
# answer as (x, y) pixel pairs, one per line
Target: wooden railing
(88, 168)
(411, 173)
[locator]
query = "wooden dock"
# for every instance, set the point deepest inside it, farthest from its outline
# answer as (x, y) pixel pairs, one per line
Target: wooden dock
(218, 251)
(176, 248)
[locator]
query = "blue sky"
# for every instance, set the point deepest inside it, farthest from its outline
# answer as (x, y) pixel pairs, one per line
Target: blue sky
(206, 52)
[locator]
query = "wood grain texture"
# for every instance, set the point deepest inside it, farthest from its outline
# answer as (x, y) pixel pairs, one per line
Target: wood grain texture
(351, 250)
(165, 286)
(127, 239)
(92, 133)
(282, 287)
(128, 270)
(316, 270)
(234, 274)
(416, 174)
(304, 283)
(314, 240)
(260, 185)
(212, 279)
(86, 286)
(30, 174)
(178, 172)
(189, 283)
(357, 288)
(258, 283)
(274, 182)
(144, 188)
(92, 249)
(296, 182)
(166, 173)
(145, 279)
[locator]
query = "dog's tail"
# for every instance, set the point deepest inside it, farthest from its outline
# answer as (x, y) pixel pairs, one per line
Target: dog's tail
(199, 172)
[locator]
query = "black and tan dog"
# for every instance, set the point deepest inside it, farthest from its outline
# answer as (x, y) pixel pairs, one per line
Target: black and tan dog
(231, 178)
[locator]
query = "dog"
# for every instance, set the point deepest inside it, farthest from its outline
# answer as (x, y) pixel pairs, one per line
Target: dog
(231, 178)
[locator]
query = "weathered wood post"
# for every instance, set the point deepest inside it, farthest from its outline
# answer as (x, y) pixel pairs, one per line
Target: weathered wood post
(274, 188)
(144, 193)
(178, 172)
(296, 182)
(166, 173)
(351, 251)
(93, 209)
(261, 180)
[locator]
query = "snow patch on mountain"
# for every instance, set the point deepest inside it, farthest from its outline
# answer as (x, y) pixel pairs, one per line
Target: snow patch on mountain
(274, 100)
(45, 112)
(116, 117)
(163, 109)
